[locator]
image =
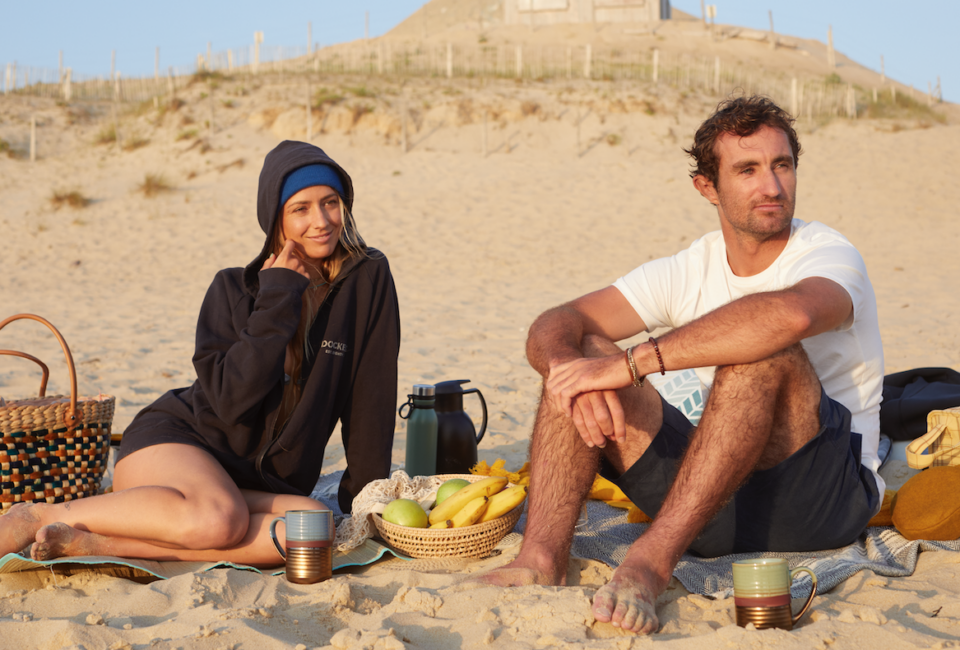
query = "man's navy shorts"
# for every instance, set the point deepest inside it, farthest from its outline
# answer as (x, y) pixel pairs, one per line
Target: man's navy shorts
(819, 498)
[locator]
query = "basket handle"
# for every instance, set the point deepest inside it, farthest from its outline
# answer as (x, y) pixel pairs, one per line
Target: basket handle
(43, 367)
(72, 417)
(914, 451)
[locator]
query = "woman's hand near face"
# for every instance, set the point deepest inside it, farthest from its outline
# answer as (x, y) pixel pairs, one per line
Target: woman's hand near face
(289, 258)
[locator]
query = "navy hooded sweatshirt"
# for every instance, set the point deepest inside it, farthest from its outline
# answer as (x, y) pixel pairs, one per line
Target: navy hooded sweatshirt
(247, 319)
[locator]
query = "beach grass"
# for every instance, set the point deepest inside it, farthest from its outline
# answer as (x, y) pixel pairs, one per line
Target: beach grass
(154, 184)
(72, 198)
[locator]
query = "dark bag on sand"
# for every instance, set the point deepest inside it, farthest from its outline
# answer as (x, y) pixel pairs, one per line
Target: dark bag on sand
(910, 395)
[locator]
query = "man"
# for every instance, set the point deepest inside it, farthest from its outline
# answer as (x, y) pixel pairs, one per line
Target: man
(779, 320)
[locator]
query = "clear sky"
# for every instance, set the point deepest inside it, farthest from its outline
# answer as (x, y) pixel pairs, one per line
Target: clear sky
(917, 39)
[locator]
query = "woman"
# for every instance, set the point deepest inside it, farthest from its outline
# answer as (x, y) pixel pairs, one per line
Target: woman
(306, 335)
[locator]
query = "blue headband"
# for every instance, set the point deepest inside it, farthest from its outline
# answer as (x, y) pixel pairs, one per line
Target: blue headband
(310, 176)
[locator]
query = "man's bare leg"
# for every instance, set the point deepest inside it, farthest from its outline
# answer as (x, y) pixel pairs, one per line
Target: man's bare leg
(757, 415)
(562, 470)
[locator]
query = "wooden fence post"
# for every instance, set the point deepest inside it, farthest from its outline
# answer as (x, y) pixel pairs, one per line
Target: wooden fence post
(485, 131)
(230, 60)
(569, 62)
(519, 70)
(116, 126)
(716, 75)
(403, 120)
(656, 66)
(588, 63)
(257, 40)
(449, 60)
(67, 88)
(831, 56)
(793, 98)
(773, 35)
(579, 119)
(309, 116)
(33, 138)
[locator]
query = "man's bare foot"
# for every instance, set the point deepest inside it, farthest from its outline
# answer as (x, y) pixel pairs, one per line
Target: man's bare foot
(629, 600)
(61, 540)
(18, 528)
(521, 573)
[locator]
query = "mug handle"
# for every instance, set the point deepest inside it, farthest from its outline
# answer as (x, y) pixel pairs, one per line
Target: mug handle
(813, 590)
(273, 536)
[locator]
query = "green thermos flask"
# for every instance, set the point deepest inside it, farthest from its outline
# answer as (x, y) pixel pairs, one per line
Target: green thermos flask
(421, 458)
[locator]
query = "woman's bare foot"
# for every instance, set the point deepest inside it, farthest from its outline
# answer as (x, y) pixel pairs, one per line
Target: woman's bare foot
(629, 600)
(61, 540)
(18, 528)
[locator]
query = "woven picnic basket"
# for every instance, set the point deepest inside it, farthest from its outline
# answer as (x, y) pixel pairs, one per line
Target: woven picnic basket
(52, 448)
(478, 540)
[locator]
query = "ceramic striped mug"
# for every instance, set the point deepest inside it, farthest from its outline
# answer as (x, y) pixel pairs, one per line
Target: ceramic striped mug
(761, 590)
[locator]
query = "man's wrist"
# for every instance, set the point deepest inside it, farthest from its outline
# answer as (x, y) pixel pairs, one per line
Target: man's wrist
(635, 378)
(646, 359)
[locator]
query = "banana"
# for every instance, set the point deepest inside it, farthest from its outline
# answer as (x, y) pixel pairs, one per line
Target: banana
(503, 502)
(456, 501)
(446, 523)
(470, 513)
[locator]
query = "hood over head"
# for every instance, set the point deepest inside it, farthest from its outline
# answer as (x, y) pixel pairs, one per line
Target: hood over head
(285, 158)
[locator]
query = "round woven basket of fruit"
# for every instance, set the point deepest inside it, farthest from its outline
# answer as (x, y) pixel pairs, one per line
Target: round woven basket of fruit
(472, 515)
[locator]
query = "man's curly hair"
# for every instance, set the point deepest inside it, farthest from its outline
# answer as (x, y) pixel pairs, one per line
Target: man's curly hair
(741, 116)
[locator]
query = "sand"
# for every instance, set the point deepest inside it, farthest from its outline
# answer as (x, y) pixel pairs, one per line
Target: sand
(478, 246)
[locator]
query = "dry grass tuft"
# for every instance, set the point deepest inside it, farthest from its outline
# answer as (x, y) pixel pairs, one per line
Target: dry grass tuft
(357, 112)
(7, 148)
(135, 143)
(107, 135)
(72, 198)
(238, 163)
(324, 96)
(154, 184)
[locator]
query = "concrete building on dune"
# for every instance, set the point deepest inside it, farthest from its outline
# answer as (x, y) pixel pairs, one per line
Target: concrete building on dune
(552, 12)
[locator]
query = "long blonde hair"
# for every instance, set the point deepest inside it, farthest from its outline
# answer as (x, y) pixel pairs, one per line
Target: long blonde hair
(350, 246)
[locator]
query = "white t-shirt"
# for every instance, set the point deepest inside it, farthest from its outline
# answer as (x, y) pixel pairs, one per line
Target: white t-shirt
(672, 291)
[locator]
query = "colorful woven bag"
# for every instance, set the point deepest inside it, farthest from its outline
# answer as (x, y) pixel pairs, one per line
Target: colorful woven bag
(53, 449)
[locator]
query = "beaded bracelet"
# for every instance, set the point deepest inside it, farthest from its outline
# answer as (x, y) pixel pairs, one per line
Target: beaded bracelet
(656, 349)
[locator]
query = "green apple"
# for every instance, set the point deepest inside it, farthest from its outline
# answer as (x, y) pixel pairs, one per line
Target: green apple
(449, 487)
(405, 512)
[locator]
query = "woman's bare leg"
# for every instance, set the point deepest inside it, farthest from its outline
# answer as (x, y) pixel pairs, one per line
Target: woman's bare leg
(170, 495)
(255, 549)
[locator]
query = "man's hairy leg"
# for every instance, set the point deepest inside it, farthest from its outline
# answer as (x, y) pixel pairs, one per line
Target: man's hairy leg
(562, 469)
(757, 415)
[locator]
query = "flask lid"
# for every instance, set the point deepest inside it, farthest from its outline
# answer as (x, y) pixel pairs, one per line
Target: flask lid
(424, 390)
